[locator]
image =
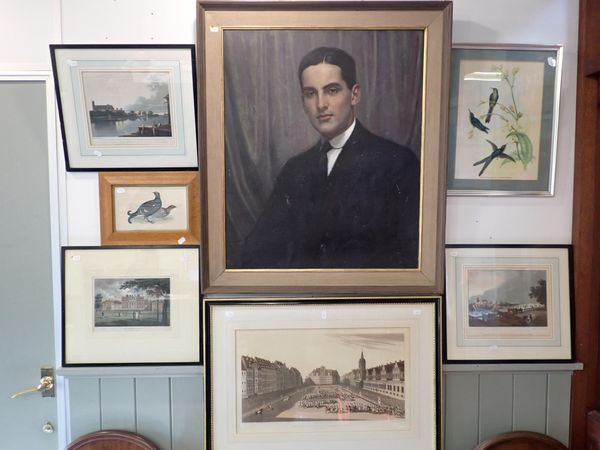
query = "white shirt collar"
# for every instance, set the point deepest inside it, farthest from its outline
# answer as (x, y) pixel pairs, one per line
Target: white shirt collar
(340, 140)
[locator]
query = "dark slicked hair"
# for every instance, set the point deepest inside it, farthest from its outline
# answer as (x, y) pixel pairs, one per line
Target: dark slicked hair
(330, 55)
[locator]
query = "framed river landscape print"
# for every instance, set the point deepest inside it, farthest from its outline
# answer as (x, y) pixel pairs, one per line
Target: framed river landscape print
(126, 107)
(313, 373)
(508, 303)
(325, 146)
(503, 120)
(130, 305)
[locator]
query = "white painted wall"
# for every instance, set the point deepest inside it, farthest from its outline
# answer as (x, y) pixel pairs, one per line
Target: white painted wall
(522, 220)
(28, 26)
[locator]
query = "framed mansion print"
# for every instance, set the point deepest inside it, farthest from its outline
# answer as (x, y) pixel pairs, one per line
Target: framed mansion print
(130, 306)
(325, 146)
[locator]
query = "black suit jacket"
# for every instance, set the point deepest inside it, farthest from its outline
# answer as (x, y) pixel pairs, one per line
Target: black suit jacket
(365, 214)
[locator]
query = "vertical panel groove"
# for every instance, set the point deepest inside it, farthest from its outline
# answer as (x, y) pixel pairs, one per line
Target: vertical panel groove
(514, 392)
(547, 403)
(135, 405)
(171, 411)
(479, 407)
(100, 402)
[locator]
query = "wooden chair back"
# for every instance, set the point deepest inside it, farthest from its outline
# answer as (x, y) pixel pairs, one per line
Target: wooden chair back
(521, 440)
(112, 440)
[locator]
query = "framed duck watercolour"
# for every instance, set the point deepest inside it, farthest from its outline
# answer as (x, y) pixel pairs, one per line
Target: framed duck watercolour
(140, 208)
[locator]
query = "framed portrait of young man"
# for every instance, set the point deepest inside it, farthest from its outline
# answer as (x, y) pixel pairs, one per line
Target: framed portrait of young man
(324, 145)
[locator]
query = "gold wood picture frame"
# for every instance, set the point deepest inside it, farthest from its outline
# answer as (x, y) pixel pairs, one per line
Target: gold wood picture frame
(278, 215)
(140, 208)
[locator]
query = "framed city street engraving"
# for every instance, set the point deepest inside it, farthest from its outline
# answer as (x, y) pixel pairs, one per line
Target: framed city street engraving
(321, 372)
(126, 107)
(325, 146)
(508, 303)
(504, 104)
(149, 208)
(130, 305)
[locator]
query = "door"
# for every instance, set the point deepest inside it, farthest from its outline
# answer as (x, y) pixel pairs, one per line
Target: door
(28, 254)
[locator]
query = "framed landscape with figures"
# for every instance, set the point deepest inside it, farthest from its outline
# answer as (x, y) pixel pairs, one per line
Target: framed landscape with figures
(508, 303)
(149, 208)
(301, 372)
(126, 107)
(130, 306)
(504, 103)
(346, 195)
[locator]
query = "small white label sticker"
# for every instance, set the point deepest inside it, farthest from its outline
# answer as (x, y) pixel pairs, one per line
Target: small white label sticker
(229, 313)
(551, 61)
(71, 63)
(417, 312)
(454, 254)
(97, 153)
(120, 190)
(75, 257)
(214, 29)
(181, 240)
(323, 315)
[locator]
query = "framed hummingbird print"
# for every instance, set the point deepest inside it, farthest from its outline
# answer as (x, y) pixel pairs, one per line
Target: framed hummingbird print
(503, 120)
(149, 208)
(126, 107)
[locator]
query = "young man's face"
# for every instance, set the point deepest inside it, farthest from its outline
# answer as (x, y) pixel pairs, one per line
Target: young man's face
(328, 101)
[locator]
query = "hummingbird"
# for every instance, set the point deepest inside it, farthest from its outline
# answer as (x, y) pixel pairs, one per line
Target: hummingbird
(477, 123)
(492, 102)
(496, 153)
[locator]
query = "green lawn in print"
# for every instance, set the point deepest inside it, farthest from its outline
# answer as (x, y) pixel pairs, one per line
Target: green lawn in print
(132, 302)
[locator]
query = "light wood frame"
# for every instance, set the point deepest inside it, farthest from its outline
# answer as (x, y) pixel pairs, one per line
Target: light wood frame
(434, 18)
(109, 181)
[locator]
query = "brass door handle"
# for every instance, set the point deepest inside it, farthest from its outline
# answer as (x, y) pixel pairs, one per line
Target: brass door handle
(46, 384)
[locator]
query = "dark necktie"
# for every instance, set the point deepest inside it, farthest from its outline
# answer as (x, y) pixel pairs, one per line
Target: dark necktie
(325, 147)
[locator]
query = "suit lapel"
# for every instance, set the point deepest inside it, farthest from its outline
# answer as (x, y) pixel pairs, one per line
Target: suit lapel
(349, 161)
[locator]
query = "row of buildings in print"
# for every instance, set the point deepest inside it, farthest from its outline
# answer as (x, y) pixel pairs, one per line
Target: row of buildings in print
(260, 376)
(387, 379)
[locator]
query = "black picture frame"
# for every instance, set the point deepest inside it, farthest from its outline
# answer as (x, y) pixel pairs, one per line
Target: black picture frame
(143, 305)
(126, 107)
(234, 325)
(522, 329)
